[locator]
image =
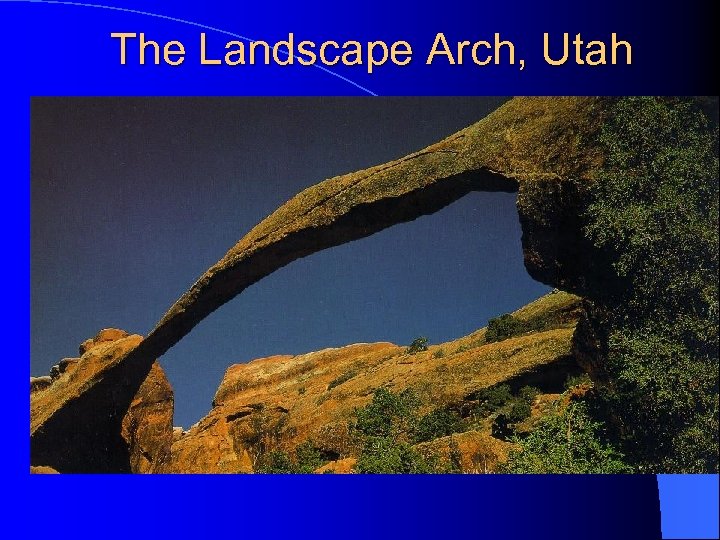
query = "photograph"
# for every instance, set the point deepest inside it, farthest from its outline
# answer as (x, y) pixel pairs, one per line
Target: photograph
(388, 285)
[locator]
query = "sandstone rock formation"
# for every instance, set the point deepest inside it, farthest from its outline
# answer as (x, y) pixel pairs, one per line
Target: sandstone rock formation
(64, 365)
(340, 466)
(542, 147)
(42, 470)
(147, 427)
(473, 451)
(74, 438)
(40, 383)
(105, 335)
(279, 402)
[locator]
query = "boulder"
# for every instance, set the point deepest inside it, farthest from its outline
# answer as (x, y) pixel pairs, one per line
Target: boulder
(63, 366)
(103, 336)
(40, 383)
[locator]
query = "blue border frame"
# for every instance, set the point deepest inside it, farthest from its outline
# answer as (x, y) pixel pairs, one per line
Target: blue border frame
(63, 48)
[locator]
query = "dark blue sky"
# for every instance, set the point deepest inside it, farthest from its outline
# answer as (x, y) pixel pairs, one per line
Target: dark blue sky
(132, 199)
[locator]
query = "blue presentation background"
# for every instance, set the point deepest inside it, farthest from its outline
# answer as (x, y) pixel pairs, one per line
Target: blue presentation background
(63, 49)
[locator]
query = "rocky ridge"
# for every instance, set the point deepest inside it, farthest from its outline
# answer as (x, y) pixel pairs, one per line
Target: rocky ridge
(280, 402)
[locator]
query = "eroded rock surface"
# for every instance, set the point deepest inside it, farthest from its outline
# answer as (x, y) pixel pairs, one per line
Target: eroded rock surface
(68, 434)
(147, 427)
(280, 402)
(40, 383)
(105, 335)
(42, 470)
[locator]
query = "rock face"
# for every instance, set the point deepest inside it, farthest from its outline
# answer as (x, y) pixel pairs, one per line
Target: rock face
(147, 427)
(63, 366)
(279, 402)
(42, 470)
(541, 147)
(68, 435)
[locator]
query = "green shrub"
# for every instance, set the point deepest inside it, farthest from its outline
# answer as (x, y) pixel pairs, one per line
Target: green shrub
(419, 344)
(507, 325)
(492, 398)
(307, 458)
(438, 423)
(575, 380)
(439, 354)
(386, 455)
(570, 442)
(349, 374)
(384, 429)
(504, 424)
(503, 327)
(275, 462)
(388, 414)
(518, 410)
(528, 394)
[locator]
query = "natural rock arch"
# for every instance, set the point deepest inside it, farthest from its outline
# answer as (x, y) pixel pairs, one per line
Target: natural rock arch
(537, 146)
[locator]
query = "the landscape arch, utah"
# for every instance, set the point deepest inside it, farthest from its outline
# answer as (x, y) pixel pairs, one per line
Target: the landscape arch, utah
(546, 149)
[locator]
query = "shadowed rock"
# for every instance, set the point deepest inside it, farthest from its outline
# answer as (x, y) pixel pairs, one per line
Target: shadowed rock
(532, 145)
(147, 427)
(100, 416)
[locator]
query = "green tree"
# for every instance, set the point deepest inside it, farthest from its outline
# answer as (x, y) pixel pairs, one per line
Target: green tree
(528, 394)
(384, 428)
(388, 414)
(275, 462)
(492, 398)
(503, 327)
(569, 442)
(419, 344)
(438, 423)
(387, 455)
(654, 214)
(518, 411)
